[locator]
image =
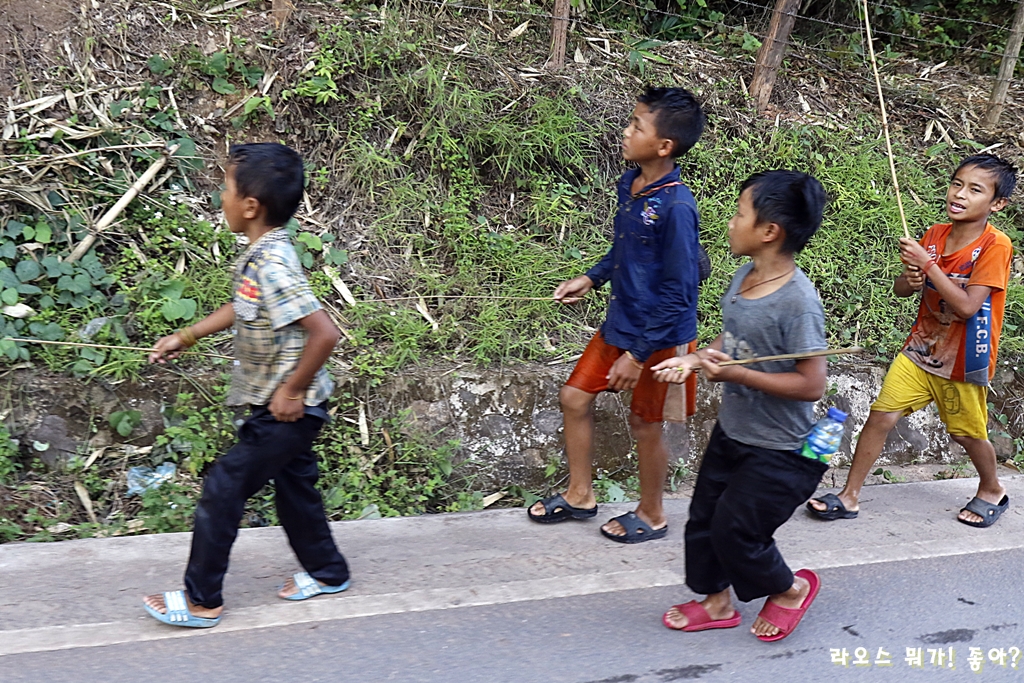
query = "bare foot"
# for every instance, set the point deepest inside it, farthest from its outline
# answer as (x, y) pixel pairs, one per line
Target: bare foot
(582, 502)
(157, 603)
(849, 502)
(718, 606)
(791, 599)
(994, 497)
(615, 529)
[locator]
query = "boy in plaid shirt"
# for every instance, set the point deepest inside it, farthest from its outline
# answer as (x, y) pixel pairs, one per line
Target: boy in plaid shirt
(282, 339)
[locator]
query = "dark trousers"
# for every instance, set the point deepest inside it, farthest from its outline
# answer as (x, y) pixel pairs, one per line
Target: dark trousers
(266, 449)
(743, 494)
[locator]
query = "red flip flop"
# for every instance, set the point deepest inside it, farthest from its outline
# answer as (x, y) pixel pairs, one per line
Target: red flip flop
(786, 619)
(698, 619)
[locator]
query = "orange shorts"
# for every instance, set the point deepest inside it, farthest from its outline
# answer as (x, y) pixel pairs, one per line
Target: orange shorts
(591, 375)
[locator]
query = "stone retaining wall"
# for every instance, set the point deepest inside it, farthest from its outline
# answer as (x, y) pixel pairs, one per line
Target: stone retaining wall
(509, 423)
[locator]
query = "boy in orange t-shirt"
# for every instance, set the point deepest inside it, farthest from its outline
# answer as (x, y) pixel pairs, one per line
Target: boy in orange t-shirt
(963, 268)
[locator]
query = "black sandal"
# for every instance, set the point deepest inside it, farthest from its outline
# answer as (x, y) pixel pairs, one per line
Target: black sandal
(557, 510)
(988, 512)
(834, 510)
(637, 530)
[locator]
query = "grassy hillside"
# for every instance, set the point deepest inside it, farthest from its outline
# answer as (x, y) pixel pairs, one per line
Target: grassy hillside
(446, 170)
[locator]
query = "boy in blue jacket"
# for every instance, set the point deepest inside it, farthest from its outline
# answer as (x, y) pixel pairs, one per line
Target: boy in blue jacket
(653, 270)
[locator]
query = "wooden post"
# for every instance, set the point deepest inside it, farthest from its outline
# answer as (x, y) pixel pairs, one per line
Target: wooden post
(769, 57)
(281, 9)
(998, 99)
(559, 29)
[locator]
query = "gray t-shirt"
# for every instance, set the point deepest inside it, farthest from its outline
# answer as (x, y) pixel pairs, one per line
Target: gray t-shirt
(789, 320)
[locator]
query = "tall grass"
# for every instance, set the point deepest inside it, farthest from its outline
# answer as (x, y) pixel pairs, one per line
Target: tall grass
(477, 189)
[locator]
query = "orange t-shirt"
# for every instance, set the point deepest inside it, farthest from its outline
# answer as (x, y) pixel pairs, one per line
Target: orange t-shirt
(941, 342)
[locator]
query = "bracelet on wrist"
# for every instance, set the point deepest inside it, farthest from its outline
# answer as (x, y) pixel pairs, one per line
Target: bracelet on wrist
(634, 361)
(187, 336)
(294, 398)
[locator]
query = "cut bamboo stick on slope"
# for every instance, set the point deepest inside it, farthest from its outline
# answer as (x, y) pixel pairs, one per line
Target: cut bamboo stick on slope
(115, 211)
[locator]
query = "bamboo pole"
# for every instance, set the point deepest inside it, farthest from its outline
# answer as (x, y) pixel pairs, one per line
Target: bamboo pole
(793, 356)
(114, 211)
(784, 356)
(495, 297)
(885, 120)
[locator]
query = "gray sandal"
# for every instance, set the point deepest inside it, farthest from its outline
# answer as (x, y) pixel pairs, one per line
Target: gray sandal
(988, 512)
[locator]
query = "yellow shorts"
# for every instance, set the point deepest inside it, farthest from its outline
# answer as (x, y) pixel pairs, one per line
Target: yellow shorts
(963, 407)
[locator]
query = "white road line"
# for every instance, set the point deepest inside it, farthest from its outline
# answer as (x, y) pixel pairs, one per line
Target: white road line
(354, 606)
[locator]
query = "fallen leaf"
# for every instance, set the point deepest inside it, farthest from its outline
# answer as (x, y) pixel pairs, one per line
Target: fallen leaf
(421, 306)
(92, 458)
(518, 30)
(364, 428)
(493, 498)
(459, 48)
(83, 495)
(340, 285)
(18, 311)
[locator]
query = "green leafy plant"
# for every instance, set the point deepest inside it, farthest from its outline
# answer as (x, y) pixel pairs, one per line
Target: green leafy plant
(640, 53)
(124, 422)
(222, 66)
(889, 476)
(8, 456)
(196, 434)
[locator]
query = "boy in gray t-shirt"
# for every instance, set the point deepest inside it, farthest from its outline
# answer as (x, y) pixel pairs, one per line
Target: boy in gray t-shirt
(752, 476)
(789, 320)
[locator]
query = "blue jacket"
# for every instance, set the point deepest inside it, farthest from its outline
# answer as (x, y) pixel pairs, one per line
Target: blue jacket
(652, 266)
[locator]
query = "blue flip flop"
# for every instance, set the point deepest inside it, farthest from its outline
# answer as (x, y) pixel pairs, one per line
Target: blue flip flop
(309, 587)
(177, 613)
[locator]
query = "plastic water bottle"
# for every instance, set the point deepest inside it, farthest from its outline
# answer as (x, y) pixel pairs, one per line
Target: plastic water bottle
(825, 436)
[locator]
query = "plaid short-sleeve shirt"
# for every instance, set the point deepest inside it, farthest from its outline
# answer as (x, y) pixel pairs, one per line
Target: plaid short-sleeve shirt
(271, 295)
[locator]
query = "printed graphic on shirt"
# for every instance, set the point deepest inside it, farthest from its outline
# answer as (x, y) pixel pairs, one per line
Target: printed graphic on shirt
(649, 214)
(247, 295)
(941, 342)
(737, 349)
(977, 351)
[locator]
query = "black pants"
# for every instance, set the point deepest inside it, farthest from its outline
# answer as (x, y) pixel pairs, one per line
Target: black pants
(743, 494)
(266, 449)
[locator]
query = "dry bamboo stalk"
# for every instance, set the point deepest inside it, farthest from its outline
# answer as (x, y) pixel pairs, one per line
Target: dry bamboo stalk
(885, 119)
(143, 349)
(793, 356)
(108, 218)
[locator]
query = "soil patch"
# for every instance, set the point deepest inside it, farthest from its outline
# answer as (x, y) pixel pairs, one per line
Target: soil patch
(29, 28)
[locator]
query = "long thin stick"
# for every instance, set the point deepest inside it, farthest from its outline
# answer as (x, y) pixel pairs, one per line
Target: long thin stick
(457, 296)
(107, 346)
(885, 120)
(794, 356)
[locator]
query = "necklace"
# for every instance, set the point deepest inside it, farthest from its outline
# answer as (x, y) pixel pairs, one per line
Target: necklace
(763, 282)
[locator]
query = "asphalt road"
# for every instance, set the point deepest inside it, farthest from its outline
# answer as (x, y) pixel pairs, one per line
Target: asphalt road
(973, 600)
